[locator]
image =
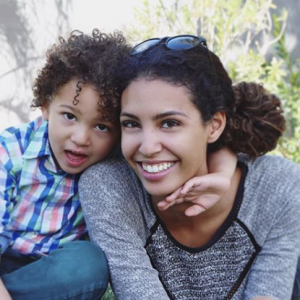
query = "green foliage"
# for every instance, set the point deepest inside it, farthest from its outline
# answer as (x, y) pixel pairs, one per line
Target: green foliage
(248, 37)
(289, 90)
(109, 295)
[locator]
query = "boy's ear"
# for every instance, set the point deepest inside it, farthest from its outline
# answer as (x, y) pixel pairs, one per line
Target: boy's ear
(217, 126)
(45, 112)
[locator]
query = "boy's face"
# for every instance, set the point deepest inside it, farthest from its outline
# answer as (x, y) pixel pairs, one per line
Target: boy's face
(78, 135)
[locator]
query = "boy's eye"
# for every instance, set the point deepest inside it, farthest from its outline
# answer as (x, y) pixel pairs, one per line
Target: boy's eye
(129, 124)
(69, 116)
(101, 127)
(170, 124)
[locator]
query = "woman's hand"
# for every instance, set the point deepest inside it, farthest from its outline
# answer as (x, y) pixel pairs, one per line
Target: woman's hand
(203, 192)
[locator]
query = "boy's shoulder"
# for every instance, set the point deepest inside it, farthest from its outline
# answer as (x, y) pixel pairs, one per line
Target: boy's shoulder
(17, 138)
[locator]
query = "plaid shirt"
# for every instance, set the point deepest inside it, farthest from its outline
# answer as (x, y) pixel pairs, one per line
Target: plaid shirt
(39, 205)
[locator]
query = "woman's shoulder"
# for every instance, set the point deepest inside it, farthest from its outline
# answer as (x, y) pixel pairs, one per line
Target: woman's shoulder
(271, 195)
(272, 188)
(108, 169)
(112, 188)
(112, 177)
(273, 170)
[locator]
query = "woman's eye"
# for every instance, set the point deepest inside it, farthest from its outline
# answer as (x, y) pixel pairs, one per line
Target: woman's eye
(69, 116)
(101, 127)
(129, 124)
(170, 124)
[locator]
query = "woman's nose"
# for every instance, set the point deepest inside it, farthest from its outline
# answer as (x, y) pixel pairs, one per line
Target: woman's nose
(150, 144)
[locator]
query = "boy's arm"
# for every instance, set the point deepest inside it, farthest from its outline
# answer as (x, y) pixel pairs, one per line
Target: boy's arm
(222, 162)
(4, 191)
(7, 184)
(4, 295)
(205, 191)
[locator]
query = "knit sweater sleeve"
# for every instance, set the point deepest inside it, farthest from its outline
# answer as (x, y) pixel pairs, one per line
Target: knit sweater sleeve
(111, 199)
(272, 214)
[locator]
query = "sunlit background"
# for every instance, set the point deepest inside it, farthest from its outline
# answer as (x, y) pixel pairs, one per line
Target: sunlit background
(258, 40)
(28, 28)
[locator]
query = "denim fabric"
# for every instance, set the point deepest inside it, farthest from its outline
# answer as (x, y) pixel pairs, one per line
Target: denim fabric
(296, 289)
(77, 270)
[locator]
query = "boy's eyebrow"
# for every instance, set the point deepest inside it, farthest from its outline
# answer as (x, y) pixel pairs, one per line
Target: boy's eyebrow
(75, 110)
(158, 116)
(70, 107)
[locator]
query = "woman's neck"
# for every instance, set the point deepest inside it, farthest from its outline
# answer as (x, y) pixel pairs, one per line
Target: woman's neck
(197, 231)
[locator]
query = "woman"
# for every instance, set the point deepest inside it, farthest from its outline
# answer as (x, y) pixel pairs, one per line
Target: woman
(178, 105)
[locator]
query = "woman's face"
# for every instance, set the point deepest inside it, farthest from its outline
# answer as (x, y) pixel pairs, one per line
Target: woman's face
(163, 137)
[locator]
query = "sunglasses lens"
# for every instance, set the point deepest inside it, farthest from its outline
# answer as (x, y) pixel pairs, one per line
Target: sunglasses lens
(144, 46)
(184, 42)
(180, 42)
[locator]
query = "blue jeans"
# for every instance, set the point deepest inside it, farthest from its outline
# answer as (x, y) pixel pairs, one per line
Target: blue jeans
(77, 270)
(296, 289)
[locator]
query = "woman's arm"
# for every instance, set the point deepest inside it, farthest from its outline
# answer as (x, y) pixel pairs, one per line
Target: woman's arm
(272, 212)
(110, 195)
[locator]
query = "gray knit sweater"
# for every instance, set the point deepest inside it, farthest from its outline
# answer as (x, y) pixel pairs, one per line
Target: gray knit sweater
(254, 253)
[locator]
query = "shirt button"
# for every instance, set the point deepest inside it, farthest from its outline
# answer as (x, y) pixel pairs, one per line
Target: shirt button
(34, 235)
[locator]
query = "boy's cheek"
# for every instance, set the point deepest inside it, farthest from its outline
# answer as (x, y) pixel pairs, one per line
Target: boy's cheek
(45, 112)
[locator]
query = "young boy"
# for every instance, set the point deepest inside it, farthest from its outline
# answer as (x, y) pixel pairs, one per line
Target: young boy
(44, 252)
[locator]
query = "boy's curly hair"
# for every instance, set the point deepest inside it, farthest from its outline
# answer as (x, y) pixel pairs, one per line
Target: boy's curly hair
(89, 59)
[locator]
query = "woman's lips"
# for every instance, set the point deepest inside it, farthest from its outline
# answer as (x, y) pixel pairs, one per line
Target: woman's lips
(154, 171)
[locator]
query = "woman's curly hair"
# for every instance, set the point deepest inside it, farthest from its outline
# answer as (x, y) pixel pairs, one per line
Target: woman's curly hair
(89, 59)
(257, 122)
(254, 117)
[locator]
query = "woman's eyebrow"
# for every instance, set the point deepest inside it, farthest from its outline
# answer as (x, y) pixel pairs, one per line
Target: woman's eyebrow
(125, 114)
(170, 113)
(158, 116)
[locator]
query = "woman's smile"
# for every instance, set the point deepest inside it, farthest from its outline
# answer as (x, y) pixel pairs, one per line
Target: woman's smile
(157, 168)
(154, 171)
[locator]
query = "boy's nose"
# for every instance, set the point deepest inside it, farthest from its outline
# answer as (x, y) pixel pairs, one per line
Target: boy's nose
(81, 137)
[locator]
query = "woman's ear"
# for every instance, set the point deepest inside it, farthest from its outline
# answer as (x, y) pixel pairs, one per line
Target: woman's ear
(217, 126)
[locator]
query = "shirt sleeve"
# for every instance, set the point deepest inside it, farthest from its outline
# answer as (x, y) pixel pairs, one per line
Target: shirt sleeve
(7, 186)
(110, 200)
(273, 272)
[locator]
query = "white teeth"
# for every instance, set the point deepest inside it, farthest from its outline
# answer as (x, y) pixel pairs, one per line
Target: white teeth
(157, 168)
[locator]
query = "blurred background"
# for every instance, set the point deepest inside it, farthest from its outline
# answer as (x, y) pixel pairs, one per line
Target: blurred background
(257, 40)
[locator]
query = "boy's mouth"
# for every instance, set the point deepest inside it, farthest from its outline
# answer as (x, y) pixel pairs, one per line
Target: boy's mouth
(74, 158)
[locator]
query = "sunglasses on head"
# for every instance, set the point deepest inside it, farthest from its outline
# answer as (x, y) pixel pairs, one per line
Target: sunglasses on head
(179, 42)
